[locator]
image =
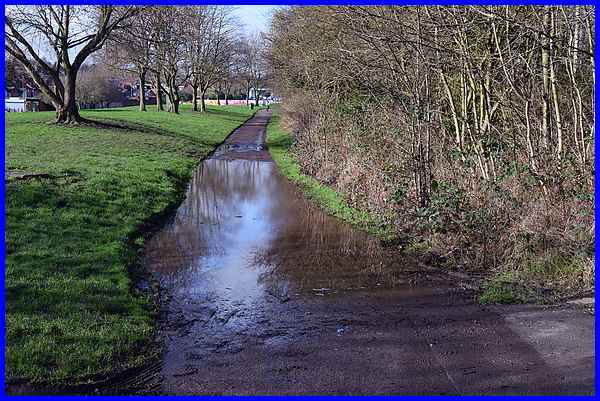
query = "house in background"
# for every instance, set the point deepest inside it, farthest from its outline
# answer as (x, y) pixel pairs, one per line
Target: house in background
(131, 90)
(23, 99)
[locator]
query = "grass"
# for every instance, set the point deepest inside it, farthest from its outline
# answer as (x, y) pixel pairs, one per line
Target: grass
(280, 146)
(503, 288)
(71, 238)
(541, 279)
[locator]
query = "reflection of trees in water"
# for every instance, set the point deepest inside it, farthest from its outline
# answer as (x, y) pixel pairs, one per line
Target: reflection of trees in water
(308, 249)
(202, 222)
(312, 250)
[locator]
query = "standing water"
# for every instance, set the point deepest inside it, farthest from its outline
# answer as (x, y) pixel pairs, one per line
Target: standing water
(265, 294)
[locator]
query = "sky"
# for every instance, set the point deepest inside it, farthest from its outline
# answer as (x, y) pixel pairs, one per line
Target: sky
(255, 18)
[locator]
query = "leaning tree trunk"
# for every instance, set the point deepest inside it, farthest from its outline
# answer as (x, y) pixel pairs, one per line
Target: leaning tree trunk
(159, 99)
(195, 97)
(173, 101)
(203, 103)
(67, 112)
(142, 92)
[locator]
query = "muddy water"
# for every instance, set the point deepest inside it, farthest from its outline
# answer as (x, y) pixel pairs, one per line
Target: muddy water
(265, 294)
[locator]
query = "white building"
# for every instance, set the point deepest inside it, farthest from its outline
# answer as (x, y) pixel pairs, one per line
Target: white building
(26, 101)
(252, 93)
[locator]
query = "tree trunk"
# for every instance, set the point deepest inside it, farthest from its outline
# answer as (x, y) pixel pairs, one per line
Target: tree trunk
(159, 99)
(67, 112)
(256, 95)
(202, 103)
(559, 130)
(173, 104)
(195, 97)
(546, 80)
(172, 94)
(173, 100)
(142, 92)
(226, 96)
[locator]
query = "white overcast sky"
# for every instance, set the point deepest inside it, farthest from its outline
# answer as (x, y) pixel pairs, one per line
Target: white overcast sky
(255, 18)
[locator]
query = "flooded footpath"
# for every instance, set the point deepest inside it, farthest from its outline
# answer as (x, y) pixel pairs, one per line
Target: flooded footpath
(262, 293)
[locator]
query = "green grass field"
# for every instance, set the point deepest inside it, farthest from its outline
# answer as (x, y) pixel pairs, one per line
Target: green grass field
(71, 238)
(333, 203)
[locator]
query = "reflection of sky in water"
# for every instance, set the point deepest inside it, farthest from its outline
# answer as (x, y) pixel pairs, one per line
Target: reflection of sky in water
(243, 230)
(223, 221)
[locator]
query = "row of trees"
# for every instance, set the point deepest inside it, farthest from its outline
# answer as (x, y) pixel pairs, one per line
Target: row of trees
(489, 79)
(166, 46)
(399, 104)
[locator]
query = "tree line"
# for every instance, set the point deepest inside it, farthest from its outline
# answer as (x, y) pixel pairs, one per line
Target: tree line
(430, 109)
(166, 46)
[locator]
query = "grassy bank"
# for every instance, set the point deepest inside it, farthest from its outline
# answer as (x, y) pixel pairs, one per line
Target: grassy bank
(279, 143)
(562, 269)
(70, 311)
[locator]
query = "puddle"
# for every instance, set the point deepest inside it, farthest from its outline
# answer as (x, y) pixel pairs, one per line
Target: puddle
(264, 293)
(244, 233)
(244, 243)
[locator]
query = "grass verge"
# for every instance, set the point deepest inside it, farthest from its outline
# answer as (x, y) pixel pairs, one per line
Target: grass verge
(70, 309)
(535, 280)
(546, 279)
(280, 144)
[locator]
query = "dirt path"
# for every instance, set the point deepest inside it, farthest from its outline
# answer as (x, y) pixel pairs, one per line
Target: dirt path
(264, 294)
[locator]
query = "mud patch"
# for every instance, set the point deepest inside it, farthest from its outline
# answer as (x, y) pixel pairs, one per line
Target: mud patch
(265, 294)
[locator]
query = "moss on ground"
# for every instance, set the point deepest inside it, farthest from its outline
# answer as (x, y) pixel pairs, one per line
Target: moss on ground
(538, 278)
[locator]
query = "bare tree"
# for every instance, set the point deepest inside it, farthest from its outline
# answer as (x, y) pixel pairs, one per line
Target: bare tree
(211, 44)
(130, 50)
(97, 87)
(71, 34)
(172, 44)
(253, 64)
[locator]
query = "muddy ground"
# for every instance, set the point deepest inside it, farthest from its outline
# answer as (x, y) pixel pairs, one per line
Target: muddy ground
(265, 294)
(262, 293)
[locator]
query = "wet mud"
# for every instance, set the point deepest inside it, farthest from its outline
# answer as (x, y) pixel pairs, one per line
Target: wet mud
(262, 293)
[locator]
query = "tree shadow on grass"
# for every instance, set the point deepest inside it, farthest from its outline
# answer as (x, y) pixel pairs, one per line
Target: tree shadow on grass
(128, 126)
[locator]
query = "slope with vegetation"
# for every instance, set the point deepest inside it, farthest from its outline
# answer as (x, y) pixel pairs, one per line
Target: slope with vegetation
(75, 225)
(470, 130)
(280, 144)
